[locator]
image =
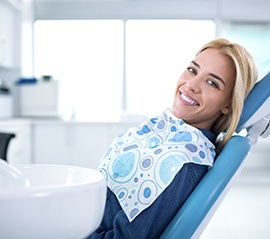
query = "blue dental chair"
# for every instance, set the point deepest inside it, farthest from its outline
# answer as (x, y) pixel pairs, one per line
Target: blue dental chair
(195, 214)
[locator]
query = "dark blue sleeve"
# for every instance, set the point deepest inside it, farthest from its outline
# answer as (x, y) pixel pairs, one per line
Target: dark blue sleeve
(152, 221)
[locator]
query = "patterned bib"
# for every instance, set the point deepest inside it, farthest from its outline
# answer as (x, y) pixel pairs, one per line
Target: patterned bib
(141, 163)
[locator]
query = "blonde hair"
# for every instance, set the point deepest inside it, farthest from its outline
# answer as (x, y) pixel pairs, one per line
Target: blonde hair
(246, 74)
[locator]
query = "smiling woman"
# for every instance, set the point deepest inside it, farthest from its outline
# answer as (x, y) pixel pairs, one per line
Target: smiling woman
(151, 169)
(204, 90)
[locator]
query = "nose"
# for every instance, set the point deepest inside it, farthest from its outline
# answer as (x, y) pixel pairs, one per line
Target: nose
(193, 85)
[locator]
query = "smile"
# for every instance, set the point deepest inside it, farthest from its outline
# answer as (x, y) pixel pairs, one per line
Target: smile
(188, 100)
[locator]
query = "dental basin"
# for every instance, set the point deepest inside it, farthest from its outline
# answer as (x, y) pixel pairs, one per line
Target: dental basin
(50, 201)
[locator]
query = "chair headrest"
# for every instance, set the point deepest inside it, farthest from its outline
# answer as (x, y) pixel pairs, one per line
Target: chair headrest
(257, 104)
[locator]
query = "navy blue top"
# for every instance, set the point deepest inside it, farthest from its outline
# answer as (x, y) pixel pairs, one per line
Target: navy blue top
(152, 221)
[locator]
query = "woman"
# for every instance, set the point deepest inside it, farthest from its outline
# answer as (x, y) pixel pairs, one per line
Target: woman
(177, 146)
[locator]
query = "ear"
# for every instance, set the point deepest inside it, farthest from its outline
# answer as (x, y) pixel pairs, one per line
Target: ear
(226, 109)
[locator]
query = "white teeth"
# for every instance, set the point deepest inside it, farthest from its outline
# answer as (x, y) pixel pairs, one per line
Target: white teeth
(185, 98)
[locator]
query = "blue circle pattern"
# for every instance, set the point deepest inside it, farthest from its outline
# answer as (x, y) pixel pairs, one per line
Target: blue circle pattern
(143, 161)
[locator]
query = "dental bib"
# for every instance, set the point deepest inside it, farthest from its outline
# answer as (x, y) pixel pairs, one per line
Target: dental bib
(141, 163)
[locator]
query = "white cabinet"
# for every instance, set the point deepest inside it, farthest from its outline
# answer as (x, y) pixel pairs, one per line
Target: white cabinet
(69, 143)
(89, 143)
(19, 150)
(50, 144)
(73, 143)
(60, 142)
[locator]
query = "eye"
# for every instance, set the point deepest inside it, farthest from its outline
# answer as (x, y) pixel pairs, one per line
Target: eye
(192, 70)
(213, 83)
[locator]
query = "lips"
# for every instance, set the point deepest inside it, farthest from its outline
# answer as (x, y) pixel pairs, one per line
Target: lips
(188, 99)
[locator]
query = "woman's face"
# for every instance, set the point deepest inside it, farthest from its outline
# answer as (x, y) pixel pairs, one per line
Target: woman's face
(204, 90)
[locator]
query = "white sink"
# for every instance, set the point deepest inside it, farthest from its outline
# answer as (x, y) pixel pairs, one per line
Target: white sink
(51, 201)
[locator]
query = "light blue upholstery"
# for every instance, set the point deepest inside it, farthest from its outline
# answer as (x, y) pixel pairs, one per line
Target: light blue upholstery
(255, 99)
(197, 211)
(200, 202)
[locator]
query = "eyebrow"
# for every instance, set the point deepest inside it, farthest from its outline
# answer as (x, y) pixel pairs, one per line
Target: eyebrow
(211, 74)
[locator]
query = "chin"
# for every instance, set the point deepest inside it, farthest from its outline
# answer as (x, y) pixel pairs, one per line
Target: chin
(176, 112)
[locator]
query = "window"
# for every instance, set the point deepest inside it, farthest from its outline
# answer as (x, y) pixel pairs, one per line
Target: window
(255, 37)
(87, 58)
(157, 52)
(108, 67)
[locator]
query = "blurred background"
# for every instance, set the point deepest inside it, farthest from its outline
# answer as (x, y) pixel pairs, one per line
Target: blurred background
(75, 73)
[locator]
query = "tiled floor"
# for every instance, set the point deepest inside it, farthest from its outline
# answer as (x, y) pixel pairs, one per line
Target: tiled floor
(245, 212)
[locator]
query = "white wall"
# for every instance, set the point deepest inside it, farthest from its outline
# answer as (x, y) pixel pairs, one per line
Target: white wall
(241, 10)
(10, 31)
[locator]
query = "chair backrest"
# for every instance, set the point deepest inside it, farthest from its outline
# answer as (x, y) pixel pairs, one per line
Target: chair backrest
(4, 143)
(197, 211)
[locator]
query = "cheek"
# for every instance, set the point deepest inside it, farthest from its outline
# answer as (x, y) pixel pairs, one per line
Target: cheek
(221, 104)
(216, 101)
(177, 87)
(179, 82)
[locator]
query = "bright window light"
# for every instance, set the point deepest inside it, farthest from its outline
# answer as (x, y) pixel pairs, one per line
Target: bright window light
(157, 53)
(255, 37)
(89, 57)
(86, 56)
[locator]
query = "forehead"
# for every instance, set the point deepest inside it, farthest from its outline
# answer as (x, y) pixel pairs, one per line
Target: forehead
(213, 61)
(213, 57)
